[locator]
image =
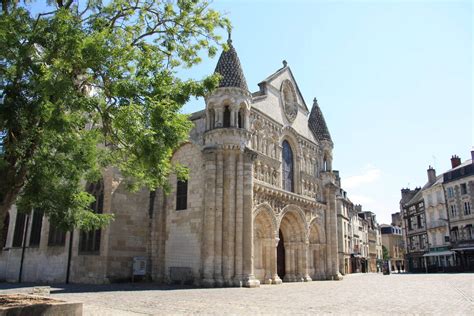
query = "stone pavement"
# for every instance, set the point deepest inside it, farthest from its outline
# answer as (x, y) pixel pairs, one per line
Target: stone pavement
(357, 294)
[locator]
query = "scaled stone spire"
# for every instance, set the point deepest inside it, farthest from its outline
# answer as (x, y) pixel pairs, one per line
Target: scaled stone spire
(230, 69)
(317, 124)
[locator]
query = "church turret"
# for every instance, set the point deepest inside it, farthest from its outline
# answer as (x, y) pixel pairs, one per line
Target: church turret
(318, 127)
(227, 258)
(317, 124)
(229, 105)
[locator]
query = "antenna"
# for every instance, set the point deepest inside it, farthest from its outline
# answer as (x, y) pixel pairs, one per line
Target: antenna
(434, 161)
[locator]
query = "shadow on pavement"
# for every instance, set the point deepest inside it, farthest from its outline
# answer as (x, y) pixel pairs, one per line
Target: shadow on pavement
(83, 288)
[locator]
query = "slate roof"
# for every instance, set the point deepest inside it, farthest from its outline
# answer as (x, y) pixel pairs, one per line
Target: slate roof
(317, 124)
(230, 69)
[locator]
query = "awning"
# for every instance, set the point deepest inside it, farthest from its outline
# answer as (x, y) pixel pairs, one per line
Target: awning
(464, 248)
(439, 253)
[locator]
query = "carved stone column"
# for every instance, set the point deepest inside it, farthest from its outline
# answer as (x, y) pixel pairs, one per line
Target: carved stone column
(219, 116)
(331, 233)
(268, 243)
(209, 215)
(218, 221)
(299, 262)
(232, 117)
(275, 279)
(248, 275)
(229, 219)
(239, 219)
(305, 260)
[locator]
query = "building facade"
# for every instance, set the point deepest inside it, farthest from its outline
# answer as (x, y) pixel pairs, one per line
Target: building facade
(459, 194)
(392, 240)
(345, 236)
(259, 205)
(438, 220)
(415, 228)
(374, 239)
(439, 257)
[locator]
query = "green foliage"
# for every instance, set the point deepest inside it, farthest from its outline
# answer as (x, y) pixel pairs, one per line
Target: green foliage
(89, 85)
(385, 253)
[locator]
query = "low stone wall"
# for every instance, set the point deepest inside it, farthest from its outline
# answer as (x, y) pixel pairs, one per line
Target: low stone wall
(19, 304)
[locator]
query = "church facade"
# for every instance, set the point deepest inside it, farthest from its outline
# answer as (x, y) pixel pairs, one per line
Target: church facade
(259, 206)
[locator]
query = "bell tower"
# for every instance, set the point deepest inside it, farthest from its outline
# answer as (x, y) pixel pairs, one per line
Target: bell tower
(227, 253)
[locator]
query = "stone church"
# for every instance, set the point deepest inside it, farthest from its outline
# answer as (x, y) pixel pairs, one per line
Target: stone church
(259, 206)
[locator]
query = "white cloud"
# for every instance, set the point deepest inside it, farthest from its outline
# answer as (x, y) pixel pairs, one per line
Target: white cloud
(371, 174)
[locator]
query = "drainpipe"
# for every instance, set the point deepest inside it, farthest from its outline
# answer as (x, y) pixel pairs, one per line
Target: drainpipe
(23, 248)
(69, 255)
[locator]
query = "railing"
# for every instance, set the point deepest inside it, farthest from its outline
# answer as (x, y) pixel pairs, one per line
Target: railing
(415, 230)
(462, 242)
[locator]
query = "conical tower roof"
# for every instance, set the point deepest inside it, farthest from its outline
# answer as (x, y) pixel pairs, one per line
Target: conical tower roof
(230, 69)
(317, 124)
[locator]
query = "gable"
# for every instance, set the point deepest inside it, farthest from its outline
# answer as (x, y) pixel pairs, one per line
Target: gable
(270, 101)
(276, 80)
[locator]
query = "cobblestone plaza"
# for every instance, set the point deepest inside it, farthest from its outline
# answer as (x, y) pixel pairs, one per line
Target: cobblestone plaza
(367, 294)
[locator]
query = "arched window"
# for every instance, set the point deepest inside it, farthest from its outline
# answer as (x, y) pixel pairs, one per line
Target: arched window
(288, 167)
(240, 119)
(226, 116)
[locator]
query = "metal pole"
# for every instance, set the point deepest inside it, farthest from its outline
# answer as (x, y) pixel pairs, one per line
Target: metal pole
(25, 229)
(69, 255)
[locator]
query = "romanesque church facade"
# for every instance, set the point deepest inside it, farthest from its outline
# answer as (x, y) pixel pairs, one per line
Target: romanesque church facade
(259, 206)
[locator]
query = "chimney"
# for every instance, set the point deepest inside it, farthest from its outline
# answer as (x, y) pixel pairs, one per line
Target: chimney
(455, 161)
(472, 156)
(431, 175)
(405, 193)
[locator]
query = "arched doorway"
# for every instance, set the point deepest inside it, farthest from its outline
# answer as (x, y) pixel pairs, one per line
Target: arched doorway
(292, 236)
(281, 256)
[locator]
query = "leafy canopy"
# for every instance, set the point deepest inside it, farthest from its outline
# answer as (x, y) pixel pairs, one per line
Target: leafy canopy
(87, 85)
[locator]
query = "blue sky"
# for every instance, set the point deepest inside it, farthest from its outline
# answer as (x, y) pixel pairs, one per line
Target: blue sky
(393, 79)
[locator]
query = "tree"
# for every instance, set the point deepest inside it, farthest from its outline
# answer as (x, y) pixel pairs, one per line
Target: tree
(90, 84)
(385, 254)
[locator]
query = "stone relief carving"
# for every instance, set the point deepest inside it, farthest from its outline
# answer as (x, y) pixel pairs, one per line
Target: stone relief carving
(288, 96)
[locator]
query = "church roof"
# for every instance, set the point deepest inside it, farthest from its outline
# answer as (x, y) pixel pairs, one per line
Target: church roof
(317, 124)
(230, 69)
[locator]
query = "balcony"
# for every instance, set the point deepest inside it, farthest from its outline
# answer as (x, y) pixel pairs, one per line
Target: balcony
(437, 224)
(462, 243)
(415, 230)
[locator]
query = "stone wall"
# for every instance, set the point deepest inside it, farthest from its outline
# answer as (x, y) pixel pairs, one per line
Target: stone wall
(183, 227)
(41, 263)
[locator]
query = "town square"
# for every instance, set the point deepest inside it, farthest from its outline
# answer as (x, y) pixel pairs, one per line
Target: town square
(190, 156)
(357, 294)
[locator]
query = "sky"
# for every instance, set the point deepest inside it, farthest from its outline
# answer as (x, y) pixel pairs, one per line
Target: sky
(393, 79)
